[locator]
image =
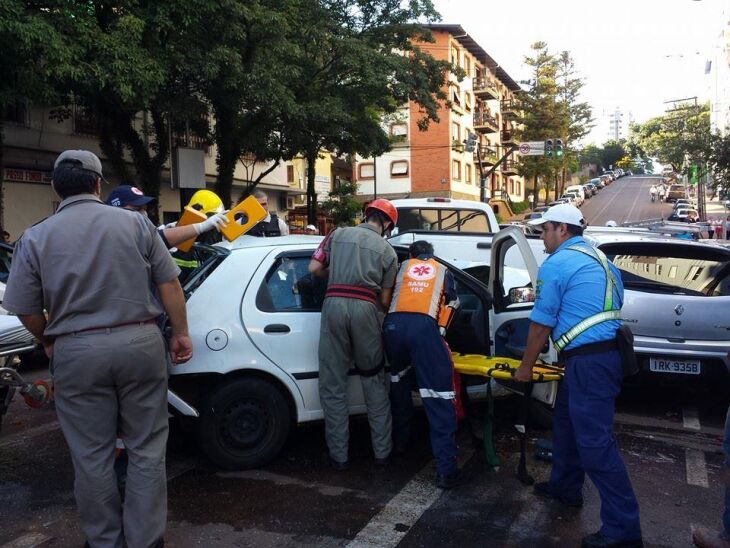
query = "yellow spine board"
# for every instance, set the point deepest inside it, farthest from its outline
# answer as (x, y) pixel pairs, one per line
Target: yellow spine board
(501, 368)
(252, 213)
(190, 216)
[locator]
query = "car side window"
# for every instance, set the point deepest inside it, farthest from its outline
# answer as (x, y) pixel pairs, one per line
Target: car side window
(289, 287)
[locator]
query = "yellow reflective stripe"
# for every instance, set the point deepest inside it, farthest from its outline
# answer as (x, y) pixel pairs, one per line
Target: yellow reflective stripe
(589, 322)
(183, 263)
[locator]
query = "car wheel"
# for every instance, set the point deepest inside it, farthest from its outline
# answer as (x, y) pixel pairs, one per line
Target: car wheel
(244, 423)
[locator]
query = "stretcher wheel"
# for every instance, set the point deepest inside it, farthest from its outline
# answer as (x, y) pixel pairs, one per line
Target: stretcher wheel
(38, 395)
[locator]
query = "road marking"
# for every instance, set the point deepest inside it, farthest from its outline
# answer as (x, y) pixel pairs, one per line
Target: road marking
(20, 438)
(279, 479)
(696, 469)
(29, 540)
(613, 199)
(691, 418)
(395, 520)
(636, 199)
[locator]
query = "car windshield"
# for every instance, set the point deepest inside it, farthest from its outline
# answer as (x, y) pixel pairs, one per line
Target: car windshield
(442, 219)
(681, 269)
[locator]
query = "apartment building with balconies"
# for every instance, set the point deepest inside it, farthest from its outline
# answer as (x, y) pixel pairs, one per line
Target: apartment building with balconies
(435, 162)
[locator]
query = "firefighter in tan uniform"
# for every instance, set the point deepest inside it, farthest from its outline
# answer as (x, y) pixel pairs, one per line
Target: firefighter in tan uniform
(361, 268)
(420, 311)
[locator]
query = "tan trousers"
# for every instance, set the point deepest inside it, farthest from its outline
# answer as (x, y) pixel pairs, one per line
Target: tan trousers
(103, 378)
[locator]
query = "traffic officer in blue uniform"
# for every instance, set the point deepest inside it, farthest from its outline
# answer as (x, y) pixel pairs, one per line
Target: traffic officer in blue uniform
(579, 297)
(423, 300)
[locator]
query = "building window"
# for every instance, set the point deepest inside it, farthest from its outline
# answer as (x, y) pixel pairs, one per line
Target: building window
(85, 122)
(456, 170)
(467, 101)
(289, 174)
(518, 188)
(455, 132)
(399, 168)
(454, 56)
(467, 173)
(467, 65)
(399, 131)
(366, 171)
(16, 112)
(511, 186)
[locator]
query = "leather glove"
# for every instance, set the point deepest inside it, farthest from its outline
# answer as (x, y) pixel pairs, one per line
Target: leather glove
(217, 221)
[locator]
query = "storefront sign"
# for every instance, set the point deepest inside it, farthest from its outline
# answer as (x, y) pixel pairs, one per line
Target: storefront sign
(13, 175)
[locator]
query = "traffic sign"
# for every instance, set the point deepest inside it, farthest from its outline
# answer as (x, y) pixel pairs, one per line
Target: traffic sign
(532, 148)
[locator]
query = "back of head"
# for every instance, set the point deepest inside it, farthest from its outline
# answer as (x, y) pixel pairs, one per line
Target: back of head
(76, 172)
(420, 247)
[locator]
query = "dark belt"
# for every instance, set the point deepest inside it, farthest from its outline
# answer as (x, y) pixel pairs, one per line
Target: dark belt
(141, 322)
(351, 292)
(586, 349)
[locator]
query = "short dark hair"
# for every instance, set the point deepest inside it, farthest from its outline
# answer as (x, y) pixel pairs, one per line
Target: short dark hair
(420, 247)
(70, 180)
(377, 215)
(573, 230)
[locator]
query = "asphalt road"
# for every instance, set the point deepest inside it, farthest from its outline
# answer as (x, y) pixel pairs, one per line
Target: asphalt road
(624, 200)
(669, 432)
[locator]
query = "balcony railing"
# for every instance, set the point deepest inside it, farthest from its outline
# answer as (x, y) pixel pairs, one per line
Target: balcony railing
(483, 86)
(488, 155)
(510, 108)
(509, 166)
(484, 121)
(508, 136)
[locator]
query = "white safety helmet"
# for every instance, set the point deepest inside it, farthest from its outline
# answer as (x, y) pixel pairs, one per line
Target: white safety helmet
(611, 223)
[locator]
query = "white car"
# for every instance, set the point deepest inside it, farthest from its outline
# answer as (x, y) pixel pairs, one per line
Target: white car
(254, 317)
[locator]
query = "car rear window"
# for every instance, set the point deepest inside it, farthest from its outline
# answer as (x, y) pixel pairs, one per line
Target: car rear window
(671, 268)
(438, 219)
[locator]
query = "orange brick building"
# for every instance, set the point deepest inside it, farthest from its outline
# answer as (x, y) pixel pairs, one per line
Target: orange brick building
(434, 162)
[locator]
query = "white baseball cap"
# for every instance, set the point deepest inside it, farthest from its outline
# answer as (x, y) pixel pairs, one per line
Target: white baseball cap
(561, 213)
(311, 227)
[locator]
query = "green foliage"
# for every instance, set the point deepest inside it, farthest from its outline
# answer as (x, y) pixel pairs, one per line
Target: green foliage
(341, 205)
(678, 135)
(719, 161)
(519, 207)
(355, 63)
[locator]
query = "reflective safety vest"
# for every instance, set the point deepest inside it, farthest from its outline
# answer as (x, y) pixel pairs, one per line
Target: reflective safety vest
(419, 288)
(608, 313)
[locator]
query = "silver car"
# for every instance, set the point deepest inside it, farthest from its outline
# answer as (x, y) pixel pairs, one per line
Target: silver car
(677, 301)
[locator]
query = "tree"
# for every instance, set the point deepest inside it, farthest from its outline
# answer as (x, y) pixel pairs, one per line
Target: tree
(612, 152)
(542, 118)
(719, 161)
(578, 114)
(681, 137)
(342, 205)
(356, 63)
(35, 57)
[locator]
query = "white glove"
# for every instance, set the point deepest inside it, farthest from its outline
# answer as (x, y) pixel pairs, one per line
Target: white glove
(217, 221)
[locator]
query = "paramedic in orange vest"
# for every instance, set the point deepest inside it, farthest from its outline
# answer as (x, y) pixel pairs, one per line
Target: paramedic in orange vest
(423, 302)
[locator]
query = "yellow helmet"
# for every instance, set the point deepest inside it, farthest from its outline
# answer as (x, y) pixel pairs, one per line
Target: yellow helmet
(206, 201)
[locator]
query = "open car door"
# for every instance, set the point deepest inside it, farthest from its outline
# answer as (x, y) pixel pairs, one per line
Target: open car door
(513, 296)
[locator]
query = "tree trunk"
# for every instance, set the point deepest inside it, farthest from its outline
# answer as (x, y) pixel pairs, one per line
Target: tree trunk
(311, 194)
(534, 192)
(228, 153)
(2, 175)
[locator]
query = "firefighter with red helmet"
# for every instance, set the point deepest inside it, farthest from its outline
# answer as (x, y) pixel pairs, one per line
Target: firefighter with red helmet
(423, 304)
(361, 267)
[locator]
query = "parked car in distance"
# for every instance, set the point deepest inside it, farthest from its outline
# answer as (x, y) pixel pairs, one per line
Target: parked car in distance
(559, 201)
(540, 209)
(576, 189)
(685, 203)
(574, 198)
(675, 192)
(597, 182)
(685, 215)
(533, 215)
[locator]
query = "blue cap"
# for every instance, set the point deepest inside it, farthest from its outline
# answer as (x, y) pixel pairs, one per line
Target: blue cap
(125, 195)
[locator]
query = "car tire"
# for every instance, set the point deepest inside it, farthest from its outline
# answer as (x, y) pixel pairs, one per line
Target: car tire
(244, 423)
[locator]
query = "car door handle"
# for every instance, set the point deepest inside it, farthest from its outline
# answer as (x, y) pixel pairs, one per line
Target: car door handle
(277, 328)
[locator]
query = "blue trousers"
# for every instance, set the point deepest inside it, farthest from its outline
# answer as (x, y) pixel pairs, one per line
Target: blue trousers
(417, 352)
(584, 443)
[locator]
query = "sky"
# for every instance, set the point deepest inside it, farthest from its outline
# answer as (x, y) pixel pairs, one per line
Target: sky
(633, 54)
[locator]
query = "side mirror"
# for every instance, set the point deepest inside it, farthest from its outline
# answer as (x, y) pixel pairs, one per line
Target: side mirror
(521, 295)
